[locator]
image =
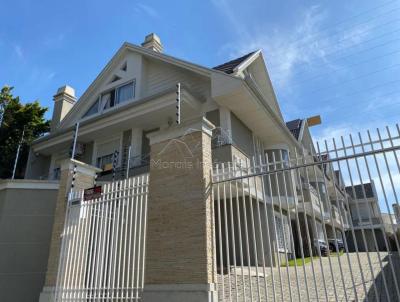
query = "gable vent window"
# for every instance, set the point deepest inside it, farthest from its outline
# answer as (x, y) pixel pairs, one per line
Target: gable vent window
(108, 99)
(93, 109)
(111, 98)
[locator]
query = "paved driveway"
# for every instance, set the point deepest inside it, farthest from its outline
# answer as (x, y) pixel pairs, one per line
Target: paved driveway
(349, 278)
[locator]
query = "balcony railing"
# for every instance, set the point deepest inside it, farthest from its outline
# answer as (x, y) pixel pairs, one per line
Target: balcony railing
(366, 222)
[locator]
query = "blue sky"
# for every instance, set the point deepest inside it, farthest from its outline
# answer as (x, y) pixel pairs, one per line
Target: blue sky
(340, 59)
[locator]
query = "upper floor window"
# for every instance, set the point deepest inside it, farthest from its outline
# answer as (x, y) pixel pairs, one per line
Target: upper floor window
(93, 109)
(125, 93)
(112, 98)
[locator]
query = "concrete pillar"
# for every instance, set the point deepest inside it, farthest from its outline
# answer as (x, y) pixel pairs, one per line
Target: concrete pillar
(180, 232)
(136, 146)
(84, 178)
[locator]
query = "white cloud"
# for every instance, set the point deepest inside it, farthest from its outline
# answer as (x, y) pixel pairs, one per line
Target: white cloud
(146, 9)
(288, 49)
(18, 51)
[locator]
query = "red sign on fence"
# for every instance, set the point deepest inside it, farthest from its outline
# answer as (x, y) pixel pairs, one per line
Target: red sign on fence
(92, 193)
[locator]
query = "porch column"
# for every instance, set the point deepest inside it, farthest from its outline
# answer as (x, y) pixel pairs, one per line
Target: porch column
(136, 146)
(84, 178)
(180, 232)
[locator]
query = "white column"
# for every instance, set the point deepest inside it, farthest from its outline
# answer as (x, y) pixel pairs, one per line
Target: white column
(136, 145)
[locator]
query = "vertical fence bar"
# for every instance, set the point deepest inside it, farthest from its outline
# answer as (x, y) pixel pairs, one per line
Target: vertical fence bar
(352, 227)
(369, 212)
(300, 239)
(260, 231)
(315, 226)
(285, 189)
(240, 237)
(246, 232)
(282, 223)
(226, 238)
(306, 223)
(264, 196)
(333, 177)
(232, 226)
(322, 210)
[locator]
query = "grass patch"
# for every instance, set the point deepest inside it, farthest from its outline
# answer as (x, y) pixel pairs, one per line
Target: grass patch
(335, 254)
(299, 261)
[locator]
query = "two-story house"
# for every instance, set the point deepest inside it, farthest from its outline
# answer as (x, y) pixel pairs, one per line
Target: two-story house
(366, 217)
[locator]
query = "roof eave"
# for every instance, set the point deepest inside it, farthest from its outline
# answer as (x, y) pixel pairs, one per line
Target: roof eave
(243, 65)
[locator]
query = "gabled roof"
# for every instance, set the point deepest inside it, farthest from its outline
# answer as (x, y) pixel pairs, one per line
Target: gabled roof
(229, 67)
(295, 127)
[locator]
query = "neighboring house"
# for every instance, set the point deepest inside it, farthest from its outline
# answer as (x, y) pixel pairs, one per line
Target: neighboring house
(366, 216)
(322, 197)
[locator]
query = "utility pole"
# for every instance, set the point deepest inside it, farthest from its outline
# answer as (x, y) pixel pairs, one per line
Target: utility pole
(17, 155)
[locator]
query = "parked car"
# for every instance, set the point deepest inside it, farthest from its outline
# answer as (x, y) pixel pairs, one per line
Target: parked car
(322, 246)
(336, 245)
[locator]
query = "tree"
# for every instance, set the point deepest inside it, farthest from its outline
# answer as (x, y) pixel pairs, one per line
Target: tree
(17, 118)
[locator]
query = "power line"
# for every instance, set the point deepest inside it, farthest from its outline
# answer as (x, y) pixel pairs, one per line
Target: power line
(348, 113)
(355, 45)
(352, 54)
(343, 39)
(359, 91)
(335, 26)
(344, 67)
(356, 78)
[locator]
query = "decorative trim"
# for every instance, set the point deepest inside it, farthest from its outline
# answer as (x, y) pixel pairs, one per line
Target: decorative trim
(81, 167)
(180, 292)
(189, 126)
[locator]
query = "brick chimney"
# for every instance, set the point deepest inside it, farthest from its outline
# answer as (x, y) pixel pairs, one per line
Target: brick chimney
(64, 100)
(153, 42)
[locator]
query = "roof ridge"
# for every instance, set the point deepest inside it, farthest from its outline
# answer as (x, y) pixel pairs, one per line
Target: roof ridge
(228, 67)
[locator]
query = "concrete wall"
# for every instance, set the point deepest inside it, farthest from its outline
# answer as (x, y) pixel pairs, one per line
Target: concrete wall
(26, 218)
(369, 243)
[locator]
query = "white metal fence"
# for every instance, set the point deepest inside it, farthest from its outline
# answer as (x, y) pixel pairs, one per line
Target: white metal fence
(315, 224)
(102, 252)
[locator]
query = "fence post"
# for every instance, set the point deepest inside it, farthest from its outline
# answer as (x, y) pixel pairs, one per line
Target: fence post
(180, 241)
(84, 178)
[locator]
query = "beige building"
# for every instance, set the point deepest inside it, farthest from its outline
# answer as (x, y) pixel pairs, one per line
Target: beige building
(133, 100)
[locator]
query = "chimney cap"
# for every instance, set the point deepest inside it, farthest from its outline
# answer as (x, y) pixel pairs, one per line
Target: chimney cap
(153, 42)
(66, 90)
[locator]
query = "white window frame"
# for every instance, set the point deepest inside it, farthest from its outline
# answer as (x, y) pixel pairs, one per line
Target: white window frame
(99, 97)
(98, 142)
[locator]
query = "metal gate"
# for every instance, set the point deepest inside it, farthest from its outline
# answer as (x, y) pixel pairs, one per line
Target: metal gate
(317, 223)
(103, 251)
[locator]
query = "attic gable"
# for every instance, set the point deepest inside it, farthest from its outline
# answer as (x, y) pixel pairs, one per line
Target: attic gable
(116, 68)
(125, 68)
(257, 71)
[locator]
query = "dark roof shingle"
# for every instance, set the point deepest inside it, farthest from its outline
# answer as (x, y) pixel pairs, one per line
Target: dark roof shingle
(228, 67)
(294, 127)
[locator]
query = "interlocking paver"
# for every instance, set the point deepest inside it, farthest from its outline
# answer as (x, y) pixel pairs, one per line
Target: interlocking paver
(350, 279)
